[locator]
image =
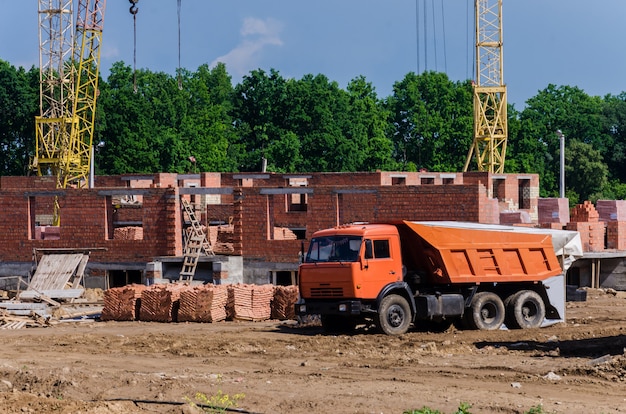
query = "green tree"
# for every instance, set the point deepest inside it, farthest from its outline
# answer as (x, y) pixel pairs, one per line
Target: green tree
(585, 172)
(258, 113)
(368, 127)
(615, 118)
(18, 107)
(432, 121)
(564, 108)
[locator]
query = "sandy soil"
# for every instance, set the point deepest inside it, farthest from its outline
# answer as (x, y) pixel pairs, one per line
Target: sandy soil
(279, 367)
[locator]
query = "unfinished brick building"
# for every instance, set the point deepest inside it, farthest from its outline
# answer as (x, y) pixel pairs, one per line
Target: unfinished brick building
(257, 222)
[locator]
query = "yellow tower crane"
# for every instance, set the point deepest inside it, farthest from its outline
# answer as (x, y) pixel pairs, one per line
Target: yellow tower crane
(490, 107)
(69, 63)
(68, 85)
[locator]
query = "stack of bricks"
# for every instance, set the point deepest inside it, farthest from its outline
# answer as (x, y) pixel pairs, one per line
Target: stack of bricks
(160, 303)
(553, 213)
(613, 213)
(283, 304)
(203, 303)
(585, 220)
(122, 303)
(249, 302)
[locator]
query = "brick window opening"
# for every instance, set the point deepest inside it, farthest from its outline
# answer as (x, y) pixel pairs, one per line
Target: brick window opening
(124, 218)
(42, 212)
(447, 181)
(498, 189)
(427, 181)
(398, 180)
(524, 194)
(296, 202)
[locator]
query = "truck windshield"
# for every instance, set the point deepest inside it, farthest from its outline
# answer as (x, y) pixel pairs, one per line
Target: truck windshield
(334, 249)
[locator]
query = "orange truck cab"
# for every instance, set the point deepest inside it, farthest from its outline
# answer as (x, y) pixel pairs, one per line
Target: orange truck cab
(401, 273)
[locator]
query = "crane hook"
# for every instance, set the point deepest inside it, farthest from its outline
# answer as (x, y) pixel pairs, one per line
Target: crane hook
(133, 9)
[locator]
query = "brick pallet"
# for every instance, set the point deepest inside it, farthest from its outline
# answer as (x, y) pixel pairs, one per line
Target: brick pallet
(249, 302)
(285, 298)
(204, 303)
(159, 303)
(122, 303)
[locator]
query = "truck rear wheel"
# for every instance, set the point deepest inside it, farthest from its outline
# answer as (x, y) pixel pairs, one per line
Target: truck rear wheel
(486, 312)
(394, 315)
(525, 310)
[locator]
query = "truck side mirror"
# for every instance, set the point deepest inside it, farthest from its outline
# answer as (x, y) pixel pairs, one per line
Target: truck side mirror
(369, 250)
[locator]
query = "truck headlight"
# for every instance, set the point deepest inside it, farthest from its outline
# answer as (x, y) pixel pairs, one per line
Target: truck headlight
(343, 307)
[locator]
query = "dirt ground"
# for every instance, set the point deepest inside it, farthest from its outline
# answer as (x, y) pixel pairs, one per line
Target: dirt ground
(279, 367)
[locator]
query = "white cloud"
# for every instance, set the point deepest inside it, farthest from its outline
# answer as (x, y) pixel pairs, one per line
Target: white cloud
(256, 35)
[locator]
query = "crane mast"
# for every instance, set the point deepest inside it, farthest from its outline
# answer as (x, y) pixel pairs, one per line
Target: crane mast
(56, 86)
(490, 107)
(68, 87)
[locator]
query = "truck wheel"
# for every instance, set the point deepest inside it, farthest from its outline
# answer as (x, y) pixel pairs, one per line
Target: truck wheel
(394, 315)
(337, 324)
(526, 310)
(486, 312)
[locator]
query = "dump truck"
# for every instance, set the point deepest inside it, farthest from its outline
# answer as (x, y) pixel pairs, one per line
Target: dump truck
(428, 274)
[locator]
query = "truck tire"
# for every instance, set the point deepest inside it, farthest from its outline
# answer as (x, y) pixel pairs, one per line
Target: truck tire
(486, 312)
(394, 315)
(525, 310)
(337, 324)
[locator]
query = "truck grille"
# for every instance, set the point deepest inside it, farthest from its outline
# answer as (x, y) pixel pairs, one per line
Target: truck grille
(326, 292)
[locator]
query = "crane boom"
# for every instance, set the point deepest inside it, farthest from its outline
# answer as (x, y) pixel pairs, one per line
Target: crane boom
(490, 107)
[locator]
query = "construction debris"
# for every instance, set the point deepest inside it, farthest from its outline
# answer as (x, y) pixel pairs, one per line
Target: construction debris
(54, 293)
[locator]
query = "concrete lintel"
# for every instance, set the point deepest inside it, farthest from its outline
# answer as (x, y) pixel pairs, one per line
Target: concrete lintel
(307, 176)
(137, 177)
(50, 193)
(204, 190)
(251, 176)
(286, 190)
(188, 177)
(117, 266)
(353, 191)
(124, 191)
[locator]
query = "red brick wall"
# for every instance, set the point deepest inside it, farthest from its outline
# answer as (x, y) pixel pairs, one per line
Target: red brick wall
(329, 206)
(84, 225)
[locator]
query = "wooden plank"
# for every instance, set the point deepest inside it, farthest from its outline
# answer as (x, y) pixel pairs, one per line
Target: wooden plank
(22, 306)
(54, 271)
(51, 293)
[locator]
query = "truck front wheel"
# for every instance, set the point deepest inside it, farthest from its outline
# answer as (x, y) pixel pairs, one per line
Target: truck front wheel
(394, 315)
(486, 312)
(526, 310)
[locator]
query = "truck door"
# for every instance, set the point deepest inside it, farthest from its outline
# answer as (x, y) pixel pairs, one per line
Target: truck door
(382, 265)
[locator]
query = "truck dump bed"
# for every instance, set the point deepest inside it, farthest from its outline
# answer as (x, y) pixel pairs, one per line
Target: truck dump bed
(470, 255)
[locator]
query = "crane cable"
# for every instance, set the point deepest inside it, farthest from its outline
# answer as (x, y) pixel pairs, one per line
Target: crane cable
(180, 81)
(133, 10)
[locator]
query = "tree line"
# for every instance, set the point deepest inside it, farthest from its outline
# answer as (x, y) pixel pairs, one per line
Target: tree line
(195, 121)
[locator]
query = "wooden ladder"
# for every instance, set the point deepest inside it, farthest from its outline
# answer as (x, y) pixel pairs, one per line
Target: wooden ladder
(196, 243)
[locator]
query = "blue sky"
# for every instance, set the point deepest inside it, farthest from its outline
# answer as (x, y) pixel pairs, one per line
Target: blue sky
(564, 42)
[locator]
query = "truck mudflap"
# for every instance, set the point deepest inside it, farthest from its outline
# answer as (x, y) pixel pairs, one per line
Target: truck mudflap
(343, 307)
